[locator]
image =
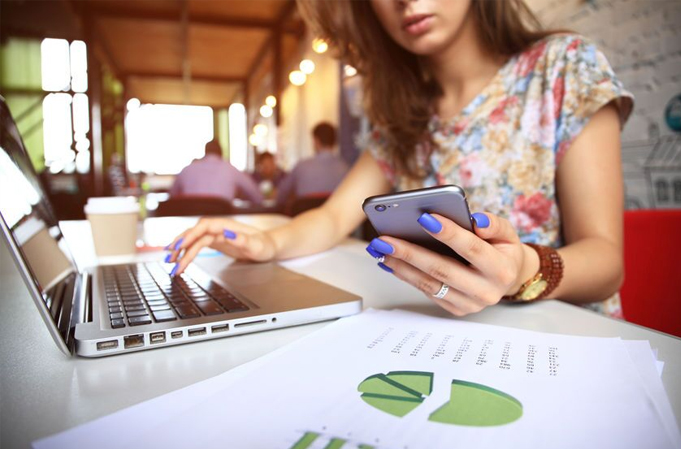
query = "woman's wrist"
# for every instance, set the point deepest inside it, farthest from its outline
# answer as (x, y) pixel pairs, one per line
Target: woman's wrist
(528, 269)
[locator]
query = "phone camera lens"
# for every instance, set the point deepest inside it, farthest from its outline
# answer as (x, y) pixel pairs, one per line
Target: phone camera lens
(380, 207)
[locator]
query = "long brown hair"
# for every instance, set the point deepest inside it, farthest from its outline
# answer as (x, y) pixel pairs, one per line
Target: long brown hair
(398, 91)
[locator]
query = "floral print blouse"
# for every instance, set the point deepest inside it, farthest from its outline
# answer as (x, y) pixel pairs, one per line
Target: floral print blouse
(504, 147)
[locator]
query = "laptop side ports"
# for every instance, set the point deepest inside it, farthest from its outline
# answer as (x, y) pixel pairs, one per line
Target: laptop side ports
(133, 341)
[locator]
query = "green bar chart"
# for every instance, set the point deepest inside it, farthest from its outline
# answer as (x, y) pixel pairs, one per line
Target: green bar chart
(310, 438)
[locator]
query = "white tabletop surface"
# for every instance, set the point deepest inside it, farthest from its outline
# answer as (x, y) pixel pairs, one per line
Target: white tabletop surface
(43, 392)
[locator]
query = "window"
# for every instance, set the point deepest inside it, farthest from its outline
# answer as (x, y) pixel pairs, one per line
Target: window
(165, 138)
(238, 149)
(677, 190)
(662, 190)
(66, 116)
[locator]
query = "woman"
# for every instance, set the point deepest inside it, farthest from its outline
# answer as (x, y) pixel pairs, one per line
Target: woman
(464, 92)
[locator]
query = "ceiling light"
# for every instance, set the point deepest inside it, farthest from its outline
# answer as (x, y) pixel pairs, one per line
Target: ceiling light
(307, 66)
(260, 130)
(350, 71)
(266, 111)
(271, 101)
(254, 140)
(133, 104)
(319, 46)
(297, 78)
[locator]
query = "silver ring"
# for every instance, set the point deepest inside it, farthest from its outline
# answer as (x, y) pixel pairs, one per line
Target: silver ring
(380, 259)
(443, 291)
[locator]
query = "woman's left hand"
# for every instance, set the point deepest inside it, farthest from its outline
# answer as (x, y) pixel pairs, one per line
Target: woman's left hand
(499, 262)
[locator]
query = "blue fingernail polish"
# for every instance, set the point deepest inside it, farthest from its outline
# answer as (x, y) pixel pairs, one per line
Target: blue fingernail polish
(172, 273)
(374, 253)
(381, 246)
(430, 223)
(178, 244)
(229, 234)
(168, 258)
(385, 267)
(481, 220)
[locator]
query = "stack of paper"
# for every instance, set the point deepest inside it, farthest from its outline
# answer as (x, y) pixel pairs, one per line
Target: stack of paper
(402, 380)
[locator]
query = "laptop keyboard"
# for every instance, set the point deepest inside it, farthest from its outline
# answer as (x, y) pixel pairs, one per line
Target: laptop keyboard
(144, 293)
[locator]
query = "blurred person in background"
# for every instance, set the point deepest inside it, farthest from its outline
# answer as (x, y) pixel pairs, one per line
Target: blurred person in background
(117, 176)
(318, 175)
(473, 93)
(212, 176)
(267, 174)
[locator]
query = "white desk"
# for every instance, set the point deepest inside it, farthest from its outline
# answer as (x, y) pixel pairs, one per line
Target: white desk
(43, 392)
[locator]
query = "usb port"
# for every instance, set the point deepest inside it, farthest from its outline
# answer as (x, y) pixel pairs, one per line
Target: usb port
(176, 334)
(133, 341)
(219, 328)
(196, 331)
(157, 337)
(104, 345)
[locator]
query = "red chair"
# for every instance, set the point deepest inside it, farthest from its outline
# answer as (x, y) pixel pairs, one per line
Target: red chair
(651, 294)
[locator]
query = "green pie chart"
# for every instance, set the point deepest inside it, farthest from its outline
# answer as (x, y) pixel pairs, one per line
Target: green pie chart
(470, 404)
(397, 392)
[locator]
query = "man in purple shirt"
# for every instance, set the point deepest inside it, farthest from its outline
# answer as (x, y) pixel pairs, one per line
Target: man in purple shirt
(319, 174)
(213, 176)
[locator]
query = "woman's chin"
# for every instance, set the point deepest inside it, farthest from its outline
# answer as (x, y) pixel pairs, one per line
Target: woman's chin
(425, 47)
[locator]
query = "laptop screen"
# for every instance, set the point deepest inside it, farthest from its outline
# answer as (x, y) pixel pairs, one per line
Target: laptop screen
(27, 215)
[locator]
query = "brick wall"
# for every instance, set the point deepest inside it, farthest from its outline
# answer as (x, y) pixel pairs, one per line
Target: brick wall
(642, 40)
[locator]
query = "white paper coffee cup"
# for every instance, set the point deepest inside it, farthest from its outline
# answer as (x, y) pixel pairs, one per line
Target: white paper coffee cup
(114, 224)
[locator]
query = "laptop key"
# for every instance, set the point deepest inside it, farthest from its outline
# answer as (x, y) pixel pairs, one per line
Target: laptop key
(116, 324)
(232, 305)
(164, 315)
(210, 308)
(133, 308)
(115, 316)
(136, 312)
(187, 311)
(153, 297)
(139, 320)
(165, 306)
(179, 302)
(182, 304)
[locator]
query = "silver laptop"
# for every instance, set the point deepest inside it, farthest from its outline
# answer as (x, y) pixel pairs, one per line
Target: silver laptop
(108, 310)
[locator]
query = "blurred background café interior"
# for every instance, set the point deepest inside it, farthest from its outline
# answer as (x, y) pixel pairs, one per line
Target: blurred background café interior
(117, 97)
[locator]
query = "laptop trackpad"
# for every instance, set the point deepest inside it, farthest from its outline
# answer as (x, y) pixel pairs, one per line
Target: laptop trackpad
(241, 274)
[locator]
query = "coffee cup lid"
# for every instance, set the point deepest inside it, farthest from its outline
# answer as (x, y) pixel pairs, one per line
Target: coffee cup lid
(112, 205)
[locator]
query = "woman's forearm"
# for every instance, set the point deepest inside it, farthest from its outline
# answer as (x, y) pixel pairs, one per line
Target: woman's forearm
(310, 232)
(320, 229)
(593, 271)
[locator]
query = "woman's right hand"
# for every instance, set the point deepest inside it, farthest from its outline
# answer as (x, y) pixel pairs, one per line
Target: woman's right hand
(235, 239)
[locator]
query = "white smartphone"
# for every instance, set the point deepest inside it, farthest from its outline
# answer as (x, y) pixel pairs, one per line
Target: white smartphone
(396, 214)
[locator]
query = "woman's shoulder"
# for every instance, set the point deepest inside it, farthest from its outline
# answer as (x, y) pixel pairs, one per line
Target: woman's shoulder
(558, 49)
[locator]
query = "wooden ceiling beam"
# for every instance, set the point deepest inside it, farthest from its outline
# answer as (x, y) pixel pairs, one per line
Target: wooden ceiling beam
(94, 37)
(178, 76)
(286, 11)
(107, 12)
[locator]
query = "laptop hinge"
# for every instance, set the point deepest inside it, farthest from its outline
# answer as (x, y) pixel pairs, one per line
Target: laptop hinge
(81, 311)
